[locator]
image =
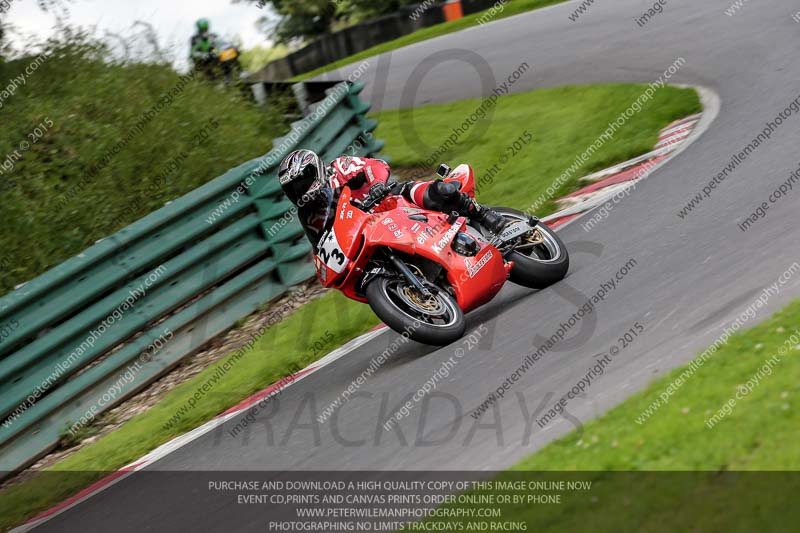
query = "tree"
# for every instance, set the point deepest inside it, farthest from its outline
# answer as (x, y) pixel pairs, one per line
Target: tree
(358, 10)
(292, 21)
(45, 5)
(257, 57)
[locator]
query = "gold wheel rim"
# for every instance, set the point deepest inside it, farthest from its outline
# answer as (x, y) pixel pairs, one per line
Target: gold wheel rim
(535, 238)
(428, 304)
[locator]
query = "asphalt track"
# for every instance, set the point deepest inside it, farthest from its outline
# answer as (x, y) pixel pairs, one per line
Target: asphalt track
(693, 276)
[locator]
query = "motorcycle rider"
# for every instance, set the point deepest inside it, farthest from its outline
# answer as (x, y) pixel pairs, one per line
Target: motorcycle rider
(312, 186)
(202, 45)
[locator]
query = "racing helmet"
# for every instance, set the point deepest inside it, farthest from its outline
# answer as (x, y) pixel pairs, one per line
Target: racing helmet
(202, 25)
(301, 174)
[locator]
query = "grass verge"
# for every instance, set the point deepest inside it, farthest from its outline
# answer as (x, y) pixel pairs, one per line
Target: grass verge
(681, 469)
(759, 433)
(512, 8)
(562, 123)
(298, 340)
(566, 120)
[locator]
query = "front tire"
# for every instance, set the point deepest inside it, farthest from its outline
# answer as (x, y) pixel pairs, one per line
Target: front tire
(539, 265)
(437, 321)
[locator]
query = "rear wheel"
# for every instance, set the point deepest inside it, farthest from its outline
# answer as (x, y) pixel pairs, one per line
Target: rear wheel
(436, 319)
(541, 259)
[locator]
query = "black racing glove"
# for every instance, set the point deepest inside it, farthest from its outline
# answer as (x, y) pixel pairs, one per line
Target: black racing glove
(442, 196)
(398, 188)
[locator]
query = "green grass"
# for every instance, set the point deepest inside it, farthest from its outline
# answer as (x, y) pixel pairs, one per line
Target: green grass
(641, 471)
(760, 433)
(563, 122)
(514, 7)
(331, 320)
(49, 214)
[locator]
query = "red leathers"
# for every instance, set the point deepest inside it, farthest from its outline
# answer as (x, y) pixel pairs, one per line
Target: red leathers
(361, 173)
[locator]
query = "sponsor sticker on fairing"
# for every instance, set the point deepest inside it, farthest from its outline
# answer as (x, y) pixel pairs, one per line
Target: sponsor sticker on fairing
(473, 269)
(447, 237)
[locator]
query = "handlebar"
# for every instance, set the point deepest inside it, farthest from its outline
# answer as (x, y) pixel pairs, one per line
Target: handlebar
(377, 193)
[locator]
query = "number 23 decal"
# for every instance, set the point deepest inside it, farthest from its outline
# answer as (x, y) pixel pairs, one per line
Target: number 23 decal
(331, 253)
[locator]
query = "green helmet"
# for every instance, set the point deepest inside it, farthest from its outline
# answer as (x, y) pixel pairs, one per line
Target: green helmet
(202, 25)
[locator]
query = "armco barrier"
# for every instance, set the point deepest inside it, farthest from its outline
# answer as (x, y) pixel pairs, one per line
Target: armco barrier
(161, 287)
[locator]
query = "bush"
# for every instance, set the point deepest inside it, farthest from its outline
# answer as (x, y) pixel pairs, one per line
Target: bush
(109, 142)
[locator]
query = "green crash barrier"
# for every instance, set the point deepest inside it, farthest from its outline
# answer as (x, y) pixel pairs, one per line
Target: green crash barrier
(176, 278)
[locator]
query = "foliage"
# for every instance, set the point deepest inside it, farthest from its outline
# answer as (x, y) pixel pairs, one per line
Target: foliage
(53, 204)
(256, 58)
(301, 20)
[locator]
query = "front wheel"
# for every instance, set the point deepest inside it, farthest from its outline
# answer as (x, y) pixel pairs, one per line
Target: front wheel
(435, 320)
(541, 259)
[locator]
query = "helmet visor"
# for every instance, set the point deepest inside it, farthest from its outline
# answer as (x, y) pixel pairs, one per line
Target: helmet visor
(302, 184)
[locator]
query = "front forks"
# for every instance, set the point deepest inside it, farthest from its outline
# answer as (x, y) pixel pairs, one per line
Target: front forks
(409, 276)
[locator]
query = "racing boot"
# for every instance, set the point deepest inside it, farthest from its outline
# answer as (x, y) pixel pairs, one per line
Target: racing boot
(445, 197)
(491, 220)
(485, 216)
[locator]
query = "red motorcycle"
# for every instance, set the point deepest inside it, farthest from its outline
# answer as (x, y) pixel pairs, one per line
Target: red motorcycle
(421, 270)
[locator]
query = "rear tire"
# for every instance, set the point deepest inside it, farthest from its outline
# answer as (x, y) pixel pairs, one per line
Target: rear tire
(444, 323)
(542, 265)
